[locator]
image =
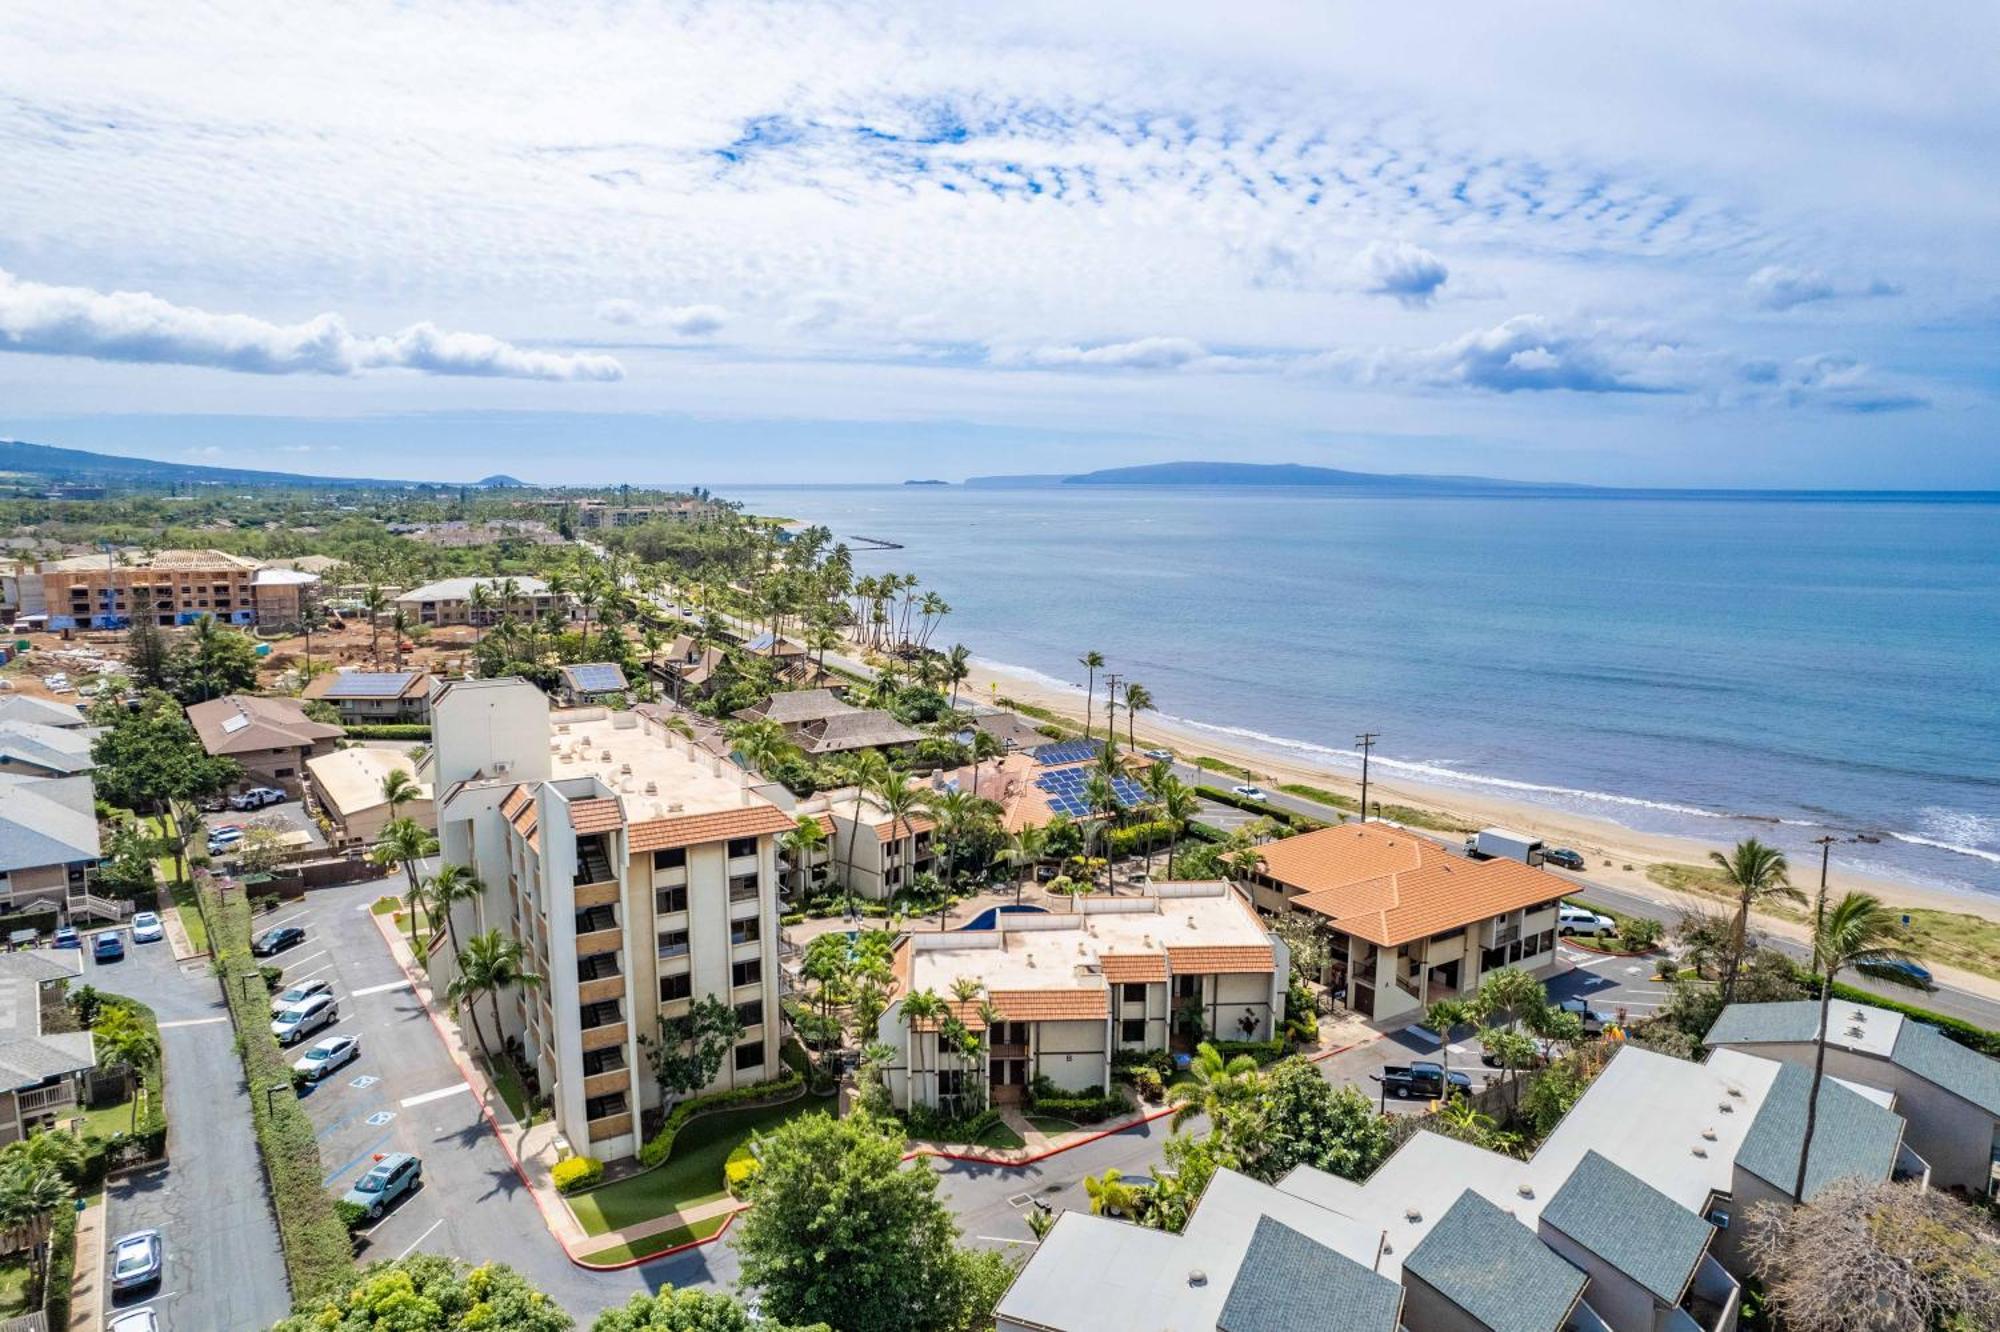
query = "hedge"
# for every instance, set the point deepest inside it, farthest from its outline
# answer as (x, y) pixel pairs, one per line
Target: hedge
(61, 1268)
(389, 731)
(1139, 836)
(661, 1145)
(1263, 1052)
(1977, 1038)
(1080, 1107)
(151, 1132)
(1290, 820)
(739, 1169)
(576, 1172)
(318, 1252)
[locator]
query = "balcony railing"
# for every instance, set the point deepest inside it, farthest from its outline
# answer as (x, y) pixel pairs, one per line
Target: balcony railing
(599, 941)
(41, 1098)
(605, 989)
(605, 1037)
(596, 895)
(608, 1083)
(615, 1126)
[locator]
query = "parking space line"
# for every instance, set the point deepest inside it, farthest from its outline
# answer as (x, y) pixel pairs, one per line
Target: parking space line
(379, 989)
(293, 962)
(193, 1022)
(366, 1152)
(139, 1304)
(285, 920)
(424, 1098)
(310, 974)
(419, 1239)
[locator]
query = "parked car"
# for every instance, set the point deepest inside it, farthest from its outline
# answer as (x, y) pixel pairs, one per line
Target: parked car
(277, 940)
(257, 797)
(1563, 858)
(223, 836)
(1159, 755)
(1249, 792)
(136, 1259)
(134, 1320)
(108, 946)
(1582, 920)
(1490, 1058)
(298, 994)
(1901, 972)
(326, 1055)
(389, 1179)
(147, 927)
(302, 1020)
(1594, 1022)
(67, 937)
(1423, 1078)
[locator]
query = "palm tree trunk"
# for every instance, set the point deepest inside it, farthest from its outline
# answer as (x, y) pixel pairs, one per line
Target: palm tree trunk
(1739, 939)
(410, 873)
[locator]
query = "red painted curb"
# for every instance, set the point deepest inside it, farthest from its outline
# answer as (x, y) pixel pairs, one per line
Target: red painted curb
(1575, 942)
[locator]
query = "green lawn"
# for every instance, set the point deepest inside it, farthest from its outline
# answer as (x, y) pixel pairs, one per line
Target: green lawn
(660, 1243)
(1050, 1124)
(507, 1081)
(1001, 1135)
(107, 1120)
(693, 1175)
(15, 1275)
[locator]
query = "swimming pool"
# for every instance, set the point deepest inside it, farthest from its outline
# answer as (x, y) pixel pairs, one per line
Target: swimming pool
(990, 917)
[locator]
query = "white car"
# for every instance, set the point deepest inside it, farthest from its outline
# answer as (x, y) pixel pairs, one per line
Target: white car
(1249, 792)
(298, 994)
(134, 1320)
(1582, 920)
(147, 927)
(1160, 755)
(302, 1020)
(326, 1055)
(256, 798)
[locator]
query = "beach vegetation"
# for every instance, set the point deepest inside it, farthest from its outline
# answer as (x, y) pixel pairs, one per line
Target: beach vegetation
(1756, 874)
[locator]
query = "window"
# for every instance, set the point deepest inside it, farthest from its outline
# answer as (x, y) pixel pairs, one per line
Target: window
(674, 857)
(742, 846)
(603, 1061)
(743, 888)
(1132, 1031)
(603, 1107)
(749, 1056)
(282, 772)
(1134, 992)
(673, 943)
(745, 931)
(1546, 941)
(676, 987)
(747, 973)
(666, 901)
(751, 1014)
(951, 1082)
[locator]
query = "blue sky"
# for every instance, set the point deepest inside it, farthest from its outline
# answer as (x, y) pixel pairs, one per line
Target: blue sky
(1703, 245)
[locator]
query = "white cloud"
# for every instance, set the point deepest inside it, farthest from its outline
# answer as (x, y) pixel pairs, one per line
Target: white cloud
(1777, 287)
(1139, 354)
(139, 326)
(1528, 353)
(687, 321)
(1407, 272)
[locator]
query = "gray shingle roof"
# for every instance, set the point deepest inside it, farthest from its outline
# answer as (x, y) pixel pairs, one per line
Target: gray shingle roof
(38, 830)
(1631, 1225)
(55, 748)
(1936, 1057)
(1494, 1268)
(1851, 1135)
(1755, 1024)
(1289, 1283)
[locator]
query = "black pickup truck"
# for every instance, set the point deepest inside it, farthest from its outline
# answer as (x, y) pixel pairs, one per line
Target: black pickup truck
(1423, 1079)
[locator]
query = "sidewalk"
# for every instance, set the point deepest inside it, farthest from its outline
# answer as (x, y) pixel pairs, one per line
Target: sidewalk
(86, 1291)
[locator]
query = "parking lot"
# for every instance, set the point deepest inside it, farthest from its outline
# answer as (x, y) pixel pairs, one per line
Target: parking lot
(290, 816)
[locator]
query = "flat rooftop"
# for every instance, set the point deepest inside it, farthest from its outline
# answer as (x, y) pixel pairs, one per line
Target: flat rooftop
(658, 774)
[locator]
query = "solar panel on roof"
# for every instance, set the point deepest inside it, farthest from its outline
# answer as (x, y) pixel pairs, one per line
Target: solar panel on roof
(371, 684)
(1065, 751)
(596, 678)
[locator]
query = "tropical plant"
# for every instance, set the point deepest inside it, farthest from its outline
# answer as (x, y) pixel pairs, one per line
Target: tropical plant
(802, 843)
(1138, 699)
(1214, 1085)
(690, 1048)
(1757, 873)
(866, 770)
(1110, 1195)
(1444, 1017)
(489, 963)
(1093, 662)
(406, 842)
(451, 885)
(399, 788)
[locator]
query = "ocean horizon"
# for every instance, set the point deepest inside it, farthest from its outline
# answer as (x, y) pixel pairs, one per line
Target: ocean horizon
(1707, 665)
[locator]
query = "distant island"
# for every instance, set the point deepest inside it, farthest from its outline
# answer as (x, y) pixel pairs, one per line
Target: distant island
(1267, 474)
(927, 482)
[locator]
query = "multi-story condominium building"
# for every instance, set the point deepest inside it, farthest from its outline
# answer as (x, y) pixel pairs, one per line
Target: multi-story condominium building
(639, 872)
(173, 586)
(1183, 961)
(1408, 922)
(451, 601)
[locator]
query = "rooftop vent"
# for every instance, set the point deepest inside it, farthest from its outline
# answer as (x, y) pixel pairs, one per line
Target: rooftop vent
(1701, 1151)
(1736, 1092)
(1858, 1015)
(1197, 1277)
(604, 756)
(1525, 1190)
(1725, 1107)
(625, 769)
(1708, 1135)
(652, 788)
(1855, 1031)
(1413, 1214)
(562, 728)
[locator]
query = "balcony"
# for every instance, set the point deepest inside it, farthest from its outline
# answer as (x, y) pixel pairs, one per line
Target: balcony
(43, 1098)
(615, 1126)
(596, 895)
(1013, 1051)
(607, 989)
(593, 861)
(612, 1082)
(607, 1037)
(599, 941)
(742, 890)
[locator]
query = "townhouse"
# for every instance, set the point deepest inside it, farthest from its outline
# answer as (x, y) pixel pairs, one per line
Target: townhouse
(365, 698)
(638, 870)
(41, 1072)
(1408, 923)
(1071, 989)
(346, 785)
(271, 737)
(450, 601)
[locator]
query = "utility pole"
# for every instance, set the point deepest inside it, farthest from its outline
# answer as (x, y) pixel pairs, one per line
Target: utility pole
(1111, 707)
(1365, 742)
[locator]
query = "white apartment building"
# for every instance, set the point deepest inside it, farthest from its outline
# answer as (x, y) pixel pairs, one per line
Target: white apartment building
(1072, 988)
(638, 870)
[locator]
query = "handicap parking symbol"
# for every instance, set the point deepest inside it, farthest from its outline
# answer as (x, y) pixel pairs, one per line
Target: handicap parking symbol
(381, 1117)
(363, 1082)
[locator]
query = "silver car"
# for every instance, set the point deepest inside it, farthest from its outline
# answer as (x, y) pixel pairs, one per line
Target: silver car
(302, 1020)
(136, 1260)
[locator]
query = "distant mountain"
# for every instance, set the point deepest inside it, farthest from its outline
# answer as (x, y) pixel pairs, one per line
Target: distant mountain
(1271, 474)
(500, 481)
(59, 464)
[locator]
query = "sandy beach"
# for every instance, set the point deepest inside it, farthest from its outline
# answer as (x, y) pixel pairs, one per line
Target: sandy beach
(1618, 856)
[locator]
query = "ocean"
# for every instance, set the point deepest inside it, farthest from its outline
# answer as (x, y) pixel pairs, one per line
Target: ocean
(1715, 666)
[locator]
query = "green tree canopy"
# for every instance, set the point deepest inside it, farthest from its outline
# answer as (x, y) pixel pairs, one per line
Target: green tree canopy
(429, 1293)
(1302, 1119)
(153, 755)
(689, 1311)
(841, 1234)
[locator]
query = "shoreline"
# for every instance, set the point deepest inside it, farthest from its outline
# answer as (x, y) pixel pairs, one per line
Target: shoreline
(1628, 851)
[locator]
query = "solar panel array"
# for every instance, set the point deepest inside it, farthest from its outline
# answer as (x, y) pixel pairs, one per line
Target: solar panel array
(1065, 751)
(596, 678)
(371, 684)
(1065, 790)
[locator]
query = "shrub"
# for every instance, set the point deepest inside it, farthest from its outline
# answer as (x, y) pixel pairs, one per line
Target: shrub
(739, 1169)
(661, 1145)
(1161, 1062)
(1138, 836)
(1149, 1084)
(576, 1173)
(1081, 1107)
(926, 1122)
(352, 1214)
(1261, 1051)
(1641, 934)
(61, 1268)
(389, 731)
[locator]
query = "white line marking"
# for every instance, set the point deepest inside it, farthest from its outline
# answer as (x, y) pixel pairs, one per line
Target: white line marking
(419, 1239)
(438, 1095)
(1004, 1239)
(379, 989)
(139, 1304)
(193, 1022)
(284, 920)
(291, 962)
(310, 974)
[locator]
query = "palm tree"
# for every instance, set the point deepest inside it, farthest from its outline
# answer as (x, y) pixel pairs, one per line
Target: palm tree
(805, 838)
(1093, 662)
(399, 788)
(312, 616)
(1138, 699)
(983, 746)
(1859, 932)
(480, 603)
(957, 668)
(374, 601)
(1214, 1085)
(1178, 804)
(866, 770)
(1024, 849)
(1111, 1196)
(405, 842)
(121, 1038)
(30, 1193)
(899, 801)
(451, 885)
(399, 625)
(921, 1006)
(1757, 872)
(488, 964)
(762, 744)
(1444, 1017)
(1102, 797)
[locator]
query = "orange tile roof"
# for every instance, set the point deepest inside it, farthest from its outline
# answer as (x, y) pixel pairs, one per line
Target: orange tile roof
(826, 824)
(895, 830)
(595, 816)
(694, 829)
(1050, 1005)
(1206, 959)
(1391, 887)
(516, 798)
(1133, 968)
